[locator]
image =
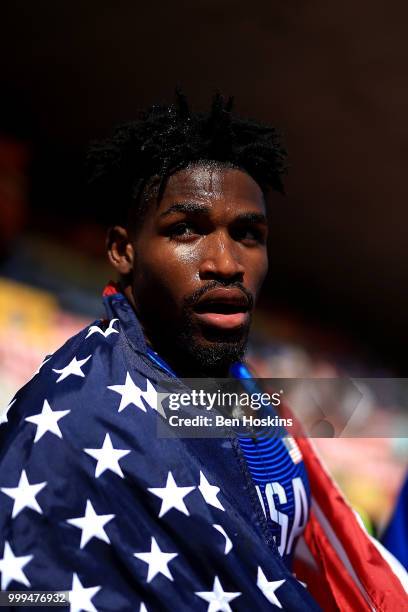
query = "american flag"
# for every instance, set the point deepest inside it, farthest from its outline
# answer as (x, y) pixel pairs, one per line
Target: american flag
(93, 502)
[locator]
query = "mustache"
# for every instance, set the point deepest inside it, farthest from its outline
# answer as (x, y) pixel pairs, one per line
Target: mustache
(194, 297)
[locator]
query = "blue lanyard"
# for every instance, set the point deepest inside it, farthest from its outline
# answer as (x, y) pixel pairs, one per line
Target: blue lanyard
(153, 356)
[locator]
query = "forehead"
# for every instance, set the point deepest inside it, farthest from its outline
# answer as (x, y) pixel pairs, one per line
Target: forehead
(210, 184)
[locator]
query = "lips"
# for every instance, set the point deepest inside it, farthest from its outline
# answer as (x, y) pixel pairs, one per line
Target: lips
(223, 308)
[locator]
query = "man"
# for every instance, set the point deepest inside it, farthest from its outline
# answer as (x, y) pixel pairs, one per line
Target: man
(94, 501)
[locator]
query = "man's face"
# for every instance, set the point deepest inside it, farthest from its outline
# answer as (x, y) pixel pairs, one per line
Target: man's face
(199, 261)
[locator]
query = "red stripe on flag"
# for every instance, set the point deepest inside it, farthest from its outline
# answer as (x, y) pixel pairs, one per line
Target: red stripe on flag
(110, 289)
(378, 580)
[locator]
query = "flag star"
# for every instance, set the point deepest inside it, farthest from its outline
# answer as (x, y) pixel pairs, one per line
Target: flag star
(172, 496)
(92, 525)
(3, 414)
(268, 588)
(107, 457)
(228, 543)
(80, 597)
(94, 329)
(11, 567)
(161, 396)
(154, 399)
(73, 368)
(157, 561)
(47, 420)
(24, 495)
(150, 395)
(218, 599)
(210, 492)
(131, 394)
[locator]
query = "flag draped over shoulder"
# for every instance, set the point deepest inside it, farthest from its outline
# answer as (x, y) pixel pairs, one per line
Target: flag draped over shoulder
(93, 502)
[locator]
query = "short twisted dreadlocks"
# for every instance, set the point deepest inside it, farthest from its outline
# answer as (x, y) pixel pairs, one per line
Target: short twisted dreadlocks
(137, 160)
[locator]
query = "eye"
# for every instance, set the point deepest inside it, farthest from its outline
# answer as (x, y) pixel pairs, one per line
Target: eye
(180, 230)
(250, 235)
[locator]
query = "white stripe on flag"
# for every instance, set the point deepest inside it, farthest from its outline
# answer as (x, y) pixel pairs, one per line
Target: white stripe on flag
(338, 547)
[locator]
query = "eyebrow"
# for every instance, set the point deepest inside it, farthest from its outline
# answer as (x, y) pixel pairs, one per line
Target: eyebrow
(186, 207)
(252, 218)
(195, 207)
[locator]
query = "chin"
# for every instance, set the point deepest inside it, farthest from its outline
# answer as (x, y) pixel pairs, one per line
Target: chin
(214, 357)
(216, 337)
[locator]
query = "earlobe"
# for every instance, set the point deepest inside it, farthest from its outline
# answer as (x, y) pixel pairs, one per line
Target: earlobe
(120, 250)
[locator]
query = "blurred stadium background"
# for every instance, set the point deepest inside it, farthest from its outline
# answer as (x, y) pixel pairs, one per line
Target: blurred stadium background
(333, 77)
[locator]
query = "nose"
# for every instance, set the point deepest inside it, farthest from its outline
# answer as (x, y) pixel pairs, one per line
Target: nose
(221, 260)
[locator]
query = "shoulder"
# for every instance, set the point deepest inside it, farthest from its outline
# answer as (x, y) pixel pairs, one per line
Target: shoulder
(67, 362)
(83, 383)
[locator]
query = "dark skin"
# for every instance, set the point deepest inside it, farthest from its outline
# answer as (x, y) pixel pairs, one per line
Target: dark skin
(205, 240)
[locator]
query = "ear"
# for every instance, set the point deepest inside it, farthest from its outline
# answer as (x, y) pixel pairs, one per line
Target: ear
(120, 250)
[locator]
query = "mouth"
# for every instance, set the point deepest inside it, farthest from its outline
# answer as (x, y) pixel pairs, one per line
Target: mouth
(226, 309)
